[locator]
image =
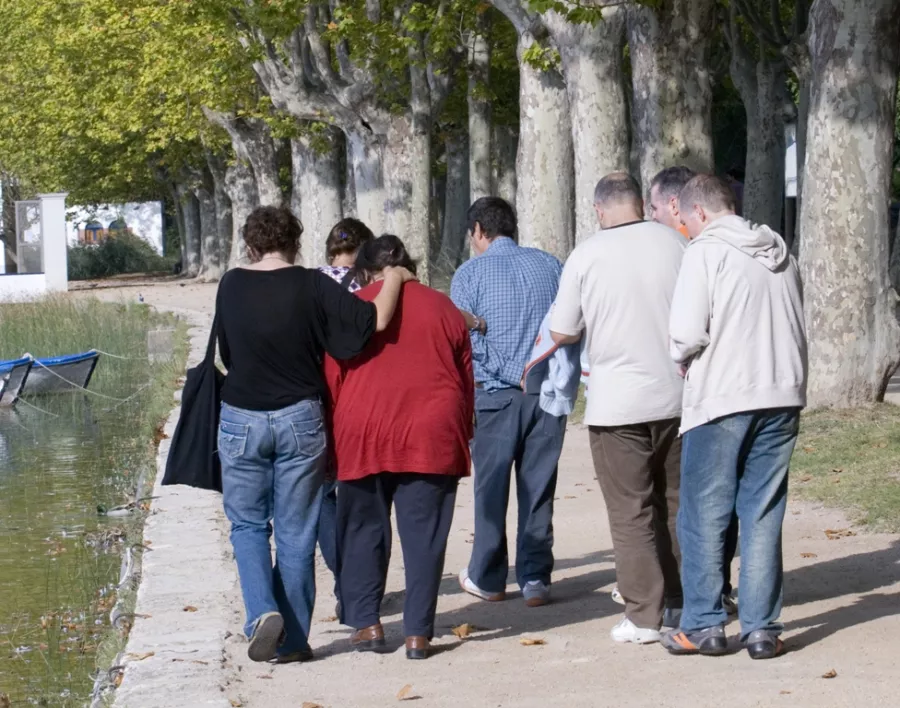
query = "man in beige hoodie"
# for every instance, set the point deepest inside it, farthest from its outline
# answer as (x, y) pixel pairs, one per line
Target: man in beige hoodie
(737, 326)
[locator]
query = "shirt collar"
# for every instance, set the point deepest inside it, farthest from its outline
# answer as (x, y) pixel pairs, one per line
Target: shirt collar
(501, 243)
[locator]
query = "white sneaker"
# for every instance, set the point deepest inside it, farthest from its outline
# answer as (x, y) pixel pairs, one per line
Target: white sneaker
(536, 593)
(468, 586)
(626, 632)
(617, 596)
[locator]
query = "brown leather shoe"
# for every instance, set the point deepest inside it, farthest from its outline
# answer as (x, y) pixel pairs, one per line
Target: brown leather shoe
(417, 647)
(368, 639)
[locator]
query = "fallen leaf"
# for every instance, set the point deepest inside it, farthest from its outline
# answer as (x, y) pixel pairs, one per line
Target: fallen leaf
(202, 663)
(141, 657)
(404, 692)
(525, 642)
(806, 478)
(569, 496)
(190, 608)
(785, 693)
(332, 618)
(829, 674)
(837, 470)
(4, 701)
(464, 630)
(809, 449)
(311, 705)
(236, 703)
(264, 676)
(808, 555)
(177, 660)
(833, 534)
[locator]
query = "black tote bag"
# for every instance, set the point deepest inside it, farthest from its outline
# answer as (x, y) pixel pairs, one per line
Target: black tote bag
(194, 454)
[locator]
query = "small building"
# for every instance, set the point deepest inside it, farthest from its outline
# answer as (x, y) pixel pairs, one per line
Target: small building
(90, 225)
(39, 257)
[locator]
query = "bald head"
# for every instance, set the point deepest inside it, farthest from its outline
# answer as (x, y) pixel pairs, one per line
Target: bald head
(618, 200)
(703, 200)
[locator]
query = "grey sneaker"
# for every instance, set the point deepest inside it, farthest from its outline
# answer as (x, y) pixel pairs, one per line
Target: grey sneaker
(536, 593)
(710, 641)
(267, 637)
(763, 644)
(672, 618)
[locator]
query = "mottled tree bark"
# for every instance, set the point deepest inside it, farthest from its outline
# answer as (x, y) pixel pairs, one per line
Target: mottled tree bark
(479, 110)
(672, 107)
(505, 146)
(190, 208)
(204, 190)
(218, 168)
(456, 203)
(761, 83)
(894, 267)
(366, 158)
(241, 186)
(317, 193)
(252, 142)
(592, 69)
(851, 310)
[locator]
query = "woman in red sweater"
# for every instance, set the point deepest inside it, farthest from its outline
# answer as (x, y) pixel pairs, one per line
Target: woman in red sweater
(402, 419)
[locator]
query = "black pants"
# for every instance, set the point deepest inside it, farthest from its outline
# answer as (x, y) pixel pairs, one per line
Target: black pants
(425, 505)
(731, 543)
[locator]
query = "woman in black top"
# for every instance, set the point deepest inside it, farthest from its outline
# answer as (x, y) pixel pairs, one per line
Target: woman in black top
(276, 321)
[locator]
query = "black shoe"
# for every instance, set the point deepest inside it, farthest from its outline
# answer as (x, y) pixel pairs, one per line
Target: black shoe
(709, 642)
(268, 634)
(294, 657)
(762, 644)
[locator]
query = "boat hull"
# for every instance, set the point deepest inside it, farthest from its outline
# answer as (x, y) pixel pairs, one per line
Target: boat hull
(63, 374)
(14, 374)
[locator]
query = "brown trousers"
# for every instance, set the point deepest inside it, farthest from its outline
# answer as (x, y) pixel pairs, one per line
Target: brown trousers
(638, 468)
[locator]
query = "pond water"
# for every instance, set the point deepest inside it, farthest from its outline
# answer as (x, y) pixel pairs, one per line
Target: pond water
(59, 557)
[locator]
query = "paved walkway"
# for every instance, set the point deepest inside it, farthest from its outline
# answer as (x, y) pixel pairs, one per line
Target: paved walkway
(842, 613)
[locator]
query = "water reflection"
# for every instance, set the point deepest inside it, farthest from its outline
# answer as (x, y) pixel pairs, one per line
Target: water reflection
(58, 557)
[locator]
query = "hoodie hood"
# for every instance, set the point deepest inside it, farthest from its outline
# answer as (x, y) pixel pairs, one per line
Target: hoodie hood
(759, 242)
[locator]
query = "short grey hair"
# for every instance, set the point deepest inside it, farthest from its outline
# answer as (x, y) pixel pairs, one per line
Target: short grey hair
(616, 188)
(708, 191)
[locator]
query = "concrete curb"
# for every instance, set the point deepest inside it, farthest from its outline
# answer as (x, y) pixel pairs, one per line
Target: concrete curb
(176, 656)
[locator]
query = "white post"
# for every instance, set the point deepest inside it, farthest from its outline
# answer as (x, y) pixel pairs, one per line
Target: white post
(54, 241)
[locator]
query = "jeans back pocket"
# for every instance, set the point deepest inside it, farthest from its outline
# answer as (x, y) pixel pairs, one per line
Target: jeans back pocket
(310, 436)
(233, 439)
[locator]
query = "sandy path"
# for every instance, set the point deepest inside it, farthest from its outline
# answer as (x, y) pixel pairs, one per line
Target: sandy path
(842, 611)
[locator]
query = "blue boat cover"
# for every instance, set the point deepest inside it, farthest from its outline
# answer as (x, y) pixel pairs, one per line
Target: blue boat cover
(11, 364)
(68, 358)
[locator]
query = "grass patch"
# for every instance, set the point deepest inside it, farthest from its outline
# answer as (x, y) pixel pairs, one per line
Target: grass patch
(851, 460)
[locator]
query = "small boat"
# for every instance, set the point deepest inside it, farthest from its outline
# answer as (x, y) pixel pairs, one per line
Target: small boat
(61, 374)
(14, 373)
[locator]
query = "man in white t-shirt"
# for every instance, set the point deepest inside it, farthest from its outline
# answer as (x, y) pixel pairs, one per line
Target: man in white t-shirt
(616, 291)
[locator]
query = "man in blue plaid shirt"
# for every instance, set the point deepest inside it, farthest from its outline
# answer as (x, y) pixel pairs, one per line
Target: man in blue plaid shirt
(508, 290)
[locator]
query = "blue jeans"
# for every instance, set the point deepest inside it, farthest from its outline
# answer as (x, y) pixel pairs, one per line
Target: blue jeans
(273, 467)
(739, 462)
(511, 429)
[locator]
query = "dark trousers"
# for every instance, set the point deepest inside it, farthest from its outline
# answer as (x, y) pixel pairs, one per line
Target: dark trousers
(638, 468)
(731, 544)
(327, 529)
(425, 505)
(512, 430)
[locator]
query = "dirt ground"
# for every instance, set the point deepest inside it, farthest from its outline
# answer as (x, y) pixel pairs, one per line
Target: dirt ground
(842, 616)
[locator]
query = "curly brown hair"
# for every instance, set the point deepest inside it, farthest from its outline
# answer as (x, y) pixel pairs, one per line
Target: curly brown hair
(347, 236)
(272, 229)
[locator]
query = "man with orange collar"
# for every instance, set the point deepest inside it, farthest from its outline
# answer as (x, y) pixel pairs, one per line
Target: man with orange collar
(664, 191)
